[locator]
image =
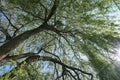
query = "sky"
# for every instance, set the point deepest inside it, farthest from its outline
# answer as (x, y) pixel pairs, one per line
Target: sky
(113, 16)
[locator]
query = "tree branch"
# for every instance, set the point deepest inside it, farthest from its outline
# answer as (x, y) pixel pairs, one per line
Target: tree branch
(53, 10)
(16, 57)
(9, 20)
(15, 42)
(35, 57)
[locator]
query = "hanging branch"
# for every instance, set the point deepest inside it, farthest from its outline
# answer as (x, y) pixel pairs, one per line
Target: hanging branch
(33, 57)
(9, 20)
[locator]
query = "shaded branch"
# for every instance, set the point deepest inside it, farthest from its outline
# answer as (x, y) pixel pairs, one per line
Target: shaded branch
(9, 20)
(44, 8)
(16, 57)
(34, 57)
(51, 54)
(15, 42)
(53, 10)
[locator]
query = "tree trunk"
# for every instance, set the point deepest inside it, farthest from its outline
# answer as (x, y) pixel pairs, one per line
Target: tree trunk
(15, 42)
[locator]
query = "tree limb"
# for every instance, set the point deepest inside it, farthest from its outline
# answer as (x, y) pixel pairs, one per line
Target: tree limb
(35, 57)
(15, 42)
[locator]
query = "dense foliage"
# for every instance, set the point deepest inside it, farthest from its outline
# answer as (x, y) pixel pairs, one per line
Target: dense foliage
(58, 39)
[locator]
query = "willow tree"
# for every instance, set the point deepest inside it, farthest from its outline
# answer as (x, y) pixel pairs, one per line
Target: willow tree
(58, 39)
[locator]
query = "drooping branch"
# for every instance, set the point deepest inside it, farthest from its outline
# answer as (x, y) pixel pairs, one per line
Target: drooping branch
(33, 57)
(9, 20)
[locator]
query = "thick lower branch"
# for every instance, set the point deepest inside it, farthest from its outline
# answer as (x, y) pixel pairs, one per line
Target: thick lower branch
(34, 57)
(16, 57)
(15, 42)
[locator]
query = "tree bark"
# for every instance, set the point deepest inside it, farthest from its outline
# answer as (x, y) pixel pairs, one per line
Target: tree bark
(15, 42)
